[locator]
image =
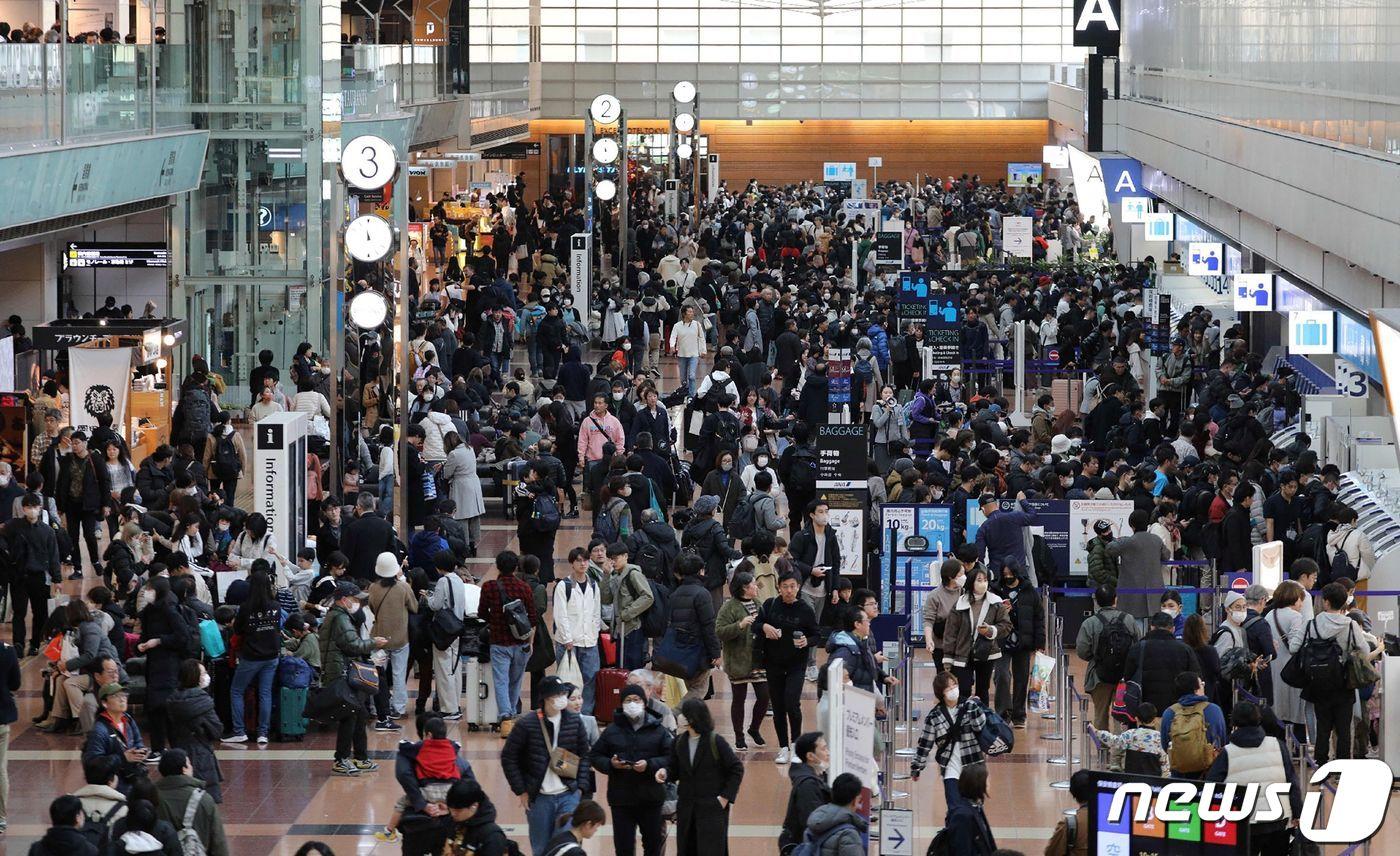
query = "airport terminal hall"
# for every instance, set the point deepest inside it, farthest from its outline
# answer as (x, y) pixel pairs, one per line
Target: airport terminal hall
(699, 427)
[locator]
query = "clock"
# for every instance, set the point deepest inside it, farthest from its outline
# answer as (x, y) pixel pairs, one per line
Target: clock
(684, 151)
(684, 92)
(605, 189)
(369, 238)
(605, 109)
(368, 162)
(605, 150)
(685, 123)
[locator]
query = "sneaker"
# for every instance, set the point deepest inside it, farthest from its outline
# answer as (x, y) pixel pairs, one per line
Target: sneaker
(76, 575)
(388, 836)
(756, 737)
(387, 725)
(448, 717)
(784, 756)
(739, 744)
(811, 674)
(572, 515)
(1021, 724)
(153, 758)
(365, 766)
(344, 768)
(262, 739)
(235, 738)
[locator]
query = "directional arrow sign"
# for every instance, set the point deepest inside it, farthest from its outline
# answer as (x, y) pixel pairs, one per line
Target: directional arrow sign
(896, 832)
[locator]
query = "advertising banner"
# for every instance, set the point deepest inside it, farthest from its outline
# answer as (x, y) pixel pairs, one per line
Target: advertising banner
(838, 384)
(868, 208)
(847, 519)
(1083, 515)
(1021, 174)
(1016, 236)
(101, 383)
(14, 433)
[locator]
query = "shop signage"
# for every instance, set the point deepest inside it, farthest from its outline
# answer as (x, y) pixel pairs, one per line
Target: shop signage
(1097, 25)
(1016, 236)
(418, 172)
(430, 22)
(437, 163)
(89, 254)
(101, 382)
(512, 151)
(832, 171)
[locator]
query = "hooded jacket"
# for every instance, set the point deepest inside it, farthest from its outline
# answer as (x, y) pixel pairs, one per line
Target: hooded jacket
(809, 793)
(847, 842)
(1244, 761)
(63, 841)
(194, 727)
(693, 614)
(705, 535)
(1154, 662)
(648, 741)
(857, 658)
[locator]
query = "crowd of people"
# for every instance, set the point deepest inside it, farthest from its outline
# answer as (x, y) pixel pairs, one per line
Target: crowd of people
(712, 560)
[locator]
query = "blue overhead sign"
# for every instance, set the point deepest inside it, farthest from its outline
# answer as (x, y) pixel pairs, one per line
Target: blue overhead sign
(1122, 177)
(1357, 344)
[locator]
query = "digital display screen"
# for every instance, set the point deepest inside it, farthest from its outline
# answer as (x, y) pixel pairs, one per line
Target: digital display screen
(80, 254)
(1127, 836)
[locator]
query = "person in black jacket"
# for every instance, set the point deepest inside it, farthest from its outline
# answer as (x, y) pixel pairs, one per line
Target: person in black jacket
(1155, 660)
(65, 837)
(165, 642)
(544, 795)
(809, 787)
(786, 628)
(83, 497)
(9, 685)
(692, 615)
(705, 536)
(419, 506)
(969, 834)
(629, 752)
(363, 538)
(816, 555)
(1013, 670)
(709, 779)
(33, 548)
(1237, 551)
(259, 629)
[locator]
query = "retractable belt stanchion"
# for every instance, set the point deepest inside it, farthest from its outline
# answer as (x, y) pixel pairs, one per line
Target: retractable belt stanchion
(1067, 728)
(906, 710)
(1060, 698)
(1057, 628)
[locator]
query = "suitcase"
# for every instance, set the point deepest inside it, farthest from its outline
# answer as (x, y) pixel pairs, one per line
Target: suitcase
(478, 696)
(291, 722)
(607, 693)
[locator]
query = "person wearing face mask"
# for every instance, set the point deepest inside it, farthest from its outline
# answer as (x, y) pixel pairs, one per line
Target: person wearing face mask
(629, 752)
(950, 733)
(1027, 636)
(195, 725)
(547, 763)
(340, 643)
(891, 427)
(939, 605)
(709, 774)
(37, 571)
(809, 788)
(978, 625)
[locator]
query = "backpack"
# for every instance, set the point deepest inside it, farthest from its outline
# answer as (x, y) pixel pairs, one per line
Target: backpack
(658, 615)
(293, 673)
(546, 516)
(1341, 565)
(941, 844)
(190, 843)
(1111, 650)
(652, 560)
(226, 464)
(1320, 669)
(605, 528)
(802, 478)
(211, 639)
(899, 349)
(864, 371)
(811, 845)
(744, 521)
(518, 619)
(996, 737)
(197, 407)
(98, 830)
(1312, 544)
(1190, 751)
(1234, 661)
(726, 430)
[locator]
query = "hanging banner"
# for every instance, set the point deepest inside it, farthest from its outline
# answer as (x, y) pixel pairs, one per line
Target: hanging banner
(838, 384)
(101, 384)
(842, 452)
(847, 519)
(430, 22)
(1084, 514)
(14, 433)
(1016, 236)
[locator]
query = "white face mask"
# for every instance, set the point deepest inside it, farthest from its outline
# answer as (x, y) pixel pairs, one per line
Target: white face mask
(558, 703)
(1237, 616)
(633, 709)
(960, 580)
(951, 695)
(726, 466)
(354, 608)
(819, 519)
(761, 462)
(204, 681)
(31, 514)
(617, 396)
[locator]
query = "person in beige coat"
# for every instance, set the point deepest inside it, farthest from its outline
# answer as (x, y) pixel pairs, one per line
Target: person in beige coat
(391, 599)
(979, 614)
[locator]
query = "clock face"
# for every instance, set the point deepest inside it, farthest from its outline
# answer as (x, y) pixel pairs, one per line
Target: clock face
(605, 109)
(684, 92)
(685, 123)
(605, 189)
(368, 162)
(605, 150)
(684, 151)
(369, 238)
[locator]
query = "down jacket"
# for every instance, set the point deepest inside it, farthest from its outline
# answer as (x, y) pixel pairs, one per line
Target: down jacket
(194, 727)
(92, 645)
(525, 758)
(646, 741)
(693, 614)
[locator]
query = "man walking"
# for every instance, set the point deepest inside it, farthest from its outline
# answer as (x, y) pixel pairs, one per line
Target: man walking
(508, 605)
(577, 621)
(450, 594)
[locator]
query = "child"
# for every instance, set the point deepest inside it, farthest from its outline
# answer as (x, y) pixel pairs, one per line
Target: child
(1139, 750)
(300, 575)
(222, 537)
(425, 770)
(323, 592)
(296, 672)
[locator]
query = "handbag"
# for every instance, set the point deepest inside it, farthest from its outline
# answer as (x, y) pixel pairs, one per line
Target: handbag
(362, 676)
(981, 650)
(677, 656)
(1361, 675)
(569, 671)
(562, 762)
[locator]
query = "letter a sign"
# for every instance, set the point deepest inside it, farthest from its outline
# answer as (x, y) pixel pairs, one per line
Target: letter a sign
(1097, 25)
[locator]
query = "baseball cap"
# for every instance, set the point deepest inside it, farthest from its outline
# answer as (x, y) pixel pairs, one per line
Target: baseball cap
(348, 589)
(1102, 527)
(109, 690)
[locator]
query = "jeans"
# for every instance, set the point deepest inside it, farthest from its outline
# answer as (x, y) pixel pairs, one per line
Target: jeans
(589, 661)
(629, 819)
(545, 810)
(5, 774)
(398, 677)
(951, 797)
(500, 363)
(532, 351)
(1334, 717)
(447, 679)
(386, 496)
(687, 367)
(248, 670)
(507, 670)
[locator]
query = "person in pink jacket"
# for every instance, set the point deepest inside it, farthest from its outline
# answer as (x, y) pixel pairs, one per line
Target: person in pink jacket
(595, 429)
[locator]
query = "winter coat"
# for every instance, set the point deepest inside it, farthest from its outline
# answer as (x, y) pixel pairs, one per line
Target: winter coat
(464, 485)
(969, 834)
(105, 739)
(1027, 618)
(92, 645)
(1287, 627)
(101, 802)
(195, 727)
(705, 535)
(803, 551)
(35, 550)
(858, 659)
(1103, 568)
(787, 618)
(63, 841)
(525, 757)
(847, 842)
(362, 540)
(715, 772)
(1160, 657)
(809, 793)
(629, 593)
(340, 643)
(1001, 537)
(163, 621)
(391, 607)
(959, 633)
(1087, 642)
(645, 741)
(1140, 557)
(175, 794)
(693, 615)
(737, 642)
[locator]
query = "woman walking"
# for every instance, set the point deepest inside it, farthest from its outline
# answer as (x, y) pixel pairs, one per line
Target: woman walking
(708, 774)
(195, 725)
(951, 728)
(978, 624)
(464, 486)
(392, 601)
(734, 626)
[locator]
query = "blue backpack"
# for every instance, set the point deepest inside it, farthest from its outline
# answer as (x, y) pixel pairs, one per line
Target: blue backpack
(546, 516)
(211, 639)
(293, 673)
(812, 845)
(996, 737)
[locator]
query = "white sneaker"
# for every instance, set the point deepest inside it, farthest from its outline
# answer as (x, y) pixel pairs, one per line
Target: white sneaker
(784, 756)
(235, 738)
(811, 674)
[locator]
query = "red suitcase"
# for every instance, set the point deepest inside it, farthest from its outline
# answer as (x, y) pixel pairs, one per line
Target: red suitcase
(607, 693)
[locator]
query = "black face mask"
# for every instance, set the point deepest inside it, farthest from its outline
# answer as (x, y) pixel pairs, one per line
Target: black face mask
(1009, 582)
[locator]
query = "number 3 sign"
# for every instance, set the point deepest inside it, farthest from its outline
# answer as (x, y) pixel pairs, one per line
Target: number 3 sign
(1351, 381)
(368, 162)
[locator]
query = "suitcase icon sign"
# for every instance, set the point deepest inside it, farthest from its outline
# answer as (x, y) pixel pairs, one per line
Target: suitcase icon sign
(1311, 333)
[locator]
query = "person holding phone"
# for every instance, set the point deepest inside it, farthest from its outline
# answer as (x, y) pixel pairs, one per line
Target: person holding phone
(115, 734)
(786, 628)
(816, 555)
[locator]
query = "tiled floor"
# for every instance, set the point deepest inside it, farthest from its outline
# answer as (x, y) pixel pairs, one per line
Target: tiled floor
(279, 797)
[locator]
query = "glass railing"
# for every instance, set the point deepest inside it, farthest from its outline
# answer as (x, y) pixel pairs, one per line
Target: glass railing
(53, 94)
(378, 79)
